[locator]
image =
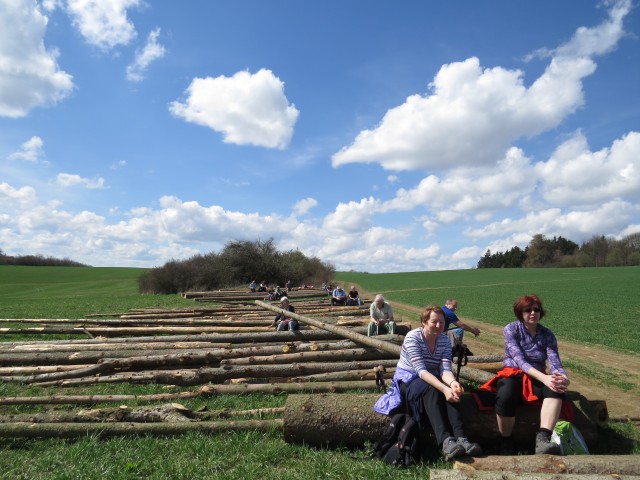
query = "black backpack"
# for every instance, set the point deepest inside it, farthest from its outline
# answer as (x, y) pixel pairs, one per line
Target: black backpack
(398, 445)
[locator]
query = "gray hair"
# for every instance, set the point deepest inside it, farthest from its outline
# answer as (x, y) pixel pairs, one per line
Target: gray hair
(379, 297)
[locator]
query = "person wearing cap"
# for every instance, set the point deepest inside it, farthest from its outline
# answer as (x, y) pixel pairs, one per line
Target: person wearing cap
(381, 314)
(282, 322)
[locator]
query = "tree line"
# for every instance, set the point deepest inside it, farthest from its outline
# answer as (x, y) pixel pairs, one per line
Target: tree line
(37, 261)
(239, 263)
(599, 251)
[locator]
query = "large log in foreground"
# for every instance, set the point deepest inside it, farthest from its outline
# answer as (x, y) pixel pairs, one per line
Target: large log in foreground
(565, 465)
(349, 420)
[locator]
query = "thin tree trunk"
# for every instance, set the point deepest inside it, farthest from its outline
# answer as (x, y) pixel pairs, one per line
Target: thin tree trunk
(78, 430)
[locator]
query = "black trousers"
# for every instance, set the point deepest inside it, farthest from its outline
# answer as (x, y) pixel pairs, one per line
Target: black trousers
(429, 404)
(509, 394)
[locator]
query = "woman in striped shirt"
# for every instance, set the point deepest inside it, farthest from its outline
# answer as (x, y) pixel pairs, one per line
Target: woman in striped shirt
(430, 389)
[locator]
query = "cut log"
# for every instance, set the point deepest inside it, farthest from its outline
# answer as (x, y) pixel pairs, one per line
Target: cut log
(233, 338)
(173, 412)
(350, 420)
(218, 375)
(482, 475)
(570, 464)
(77, 430)
(95, 399)
(326, 356)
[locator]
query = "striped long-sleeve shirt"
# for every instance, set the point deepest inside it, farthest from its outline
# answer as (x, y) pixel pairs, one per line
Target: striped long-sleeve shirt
(416, 356)
(523, 351)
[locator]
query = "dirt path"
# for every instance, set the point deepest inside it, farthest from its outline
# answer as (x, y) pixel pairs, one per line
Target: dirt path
(598, 363)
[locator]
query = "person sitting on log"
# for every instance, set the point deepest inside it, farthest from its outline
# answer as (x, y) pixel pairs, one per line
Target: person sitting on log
(380, 313)
(353, 299)
(282, 322)
(339, 296)
(455, 332)
(425, 386)
(252, 286)
(527, 347)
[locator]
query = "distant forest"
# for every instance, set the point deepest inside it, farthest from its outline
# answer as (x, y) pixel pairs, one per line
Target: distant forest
(599, 251)
(38, 261)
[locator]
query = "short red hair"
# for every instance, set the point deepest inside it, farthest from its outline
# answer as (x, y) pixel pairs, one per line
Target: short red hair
(526, 301)
(427, 312)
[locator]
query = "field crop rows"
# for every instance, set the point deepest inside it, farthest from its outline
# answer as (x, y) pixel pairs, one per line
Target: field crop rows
(598, 306)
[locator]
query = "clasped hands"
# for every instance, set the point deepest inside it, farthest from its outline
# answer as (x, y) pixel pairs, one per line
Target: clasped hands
(557, 382)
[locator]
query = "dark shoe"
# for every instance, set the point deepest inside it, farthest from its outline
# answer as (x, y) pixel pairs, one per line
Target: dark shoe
(544, 445)
(451, 449)
(506, 446)
(471, 449)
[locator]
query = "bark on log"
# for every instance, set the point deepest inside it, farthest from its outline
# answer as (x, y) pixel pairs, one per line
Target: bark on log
(34, 348)
(76, 430)
(36, 370)
(350, 420)
(177, 321)
(482, 475)
(218, 375)
(115, 331)
(326, 356)
(233, 338)
(95, 399)
(172, 412)
(570, 464)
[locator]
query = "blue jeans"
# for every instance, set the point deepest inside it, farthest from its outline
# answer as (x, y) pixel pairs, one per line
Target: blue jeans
(289, 324)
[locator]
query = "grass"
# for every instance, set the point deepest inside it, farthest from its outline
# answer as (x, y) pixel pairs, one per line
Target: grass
(596, 306)
(75, 292)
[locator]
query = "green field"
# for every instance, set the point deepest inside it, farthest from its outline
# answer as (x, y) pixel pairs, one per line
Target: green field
(605, 299)
(585, 305)
(73, 292)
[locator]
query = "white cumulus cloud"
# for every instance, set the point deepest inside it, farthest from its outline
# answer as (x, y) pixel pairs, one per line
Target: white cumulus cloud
(103, 23)
(248, 109)
(473, 114)
(29, 73)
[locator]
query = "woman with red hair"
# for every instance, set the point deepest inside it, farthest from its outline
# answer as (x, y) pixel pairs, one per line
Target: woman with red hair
(528, 346)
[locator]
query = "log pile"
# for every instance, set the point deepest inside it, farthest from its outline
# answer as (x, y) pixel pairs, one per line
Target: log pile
(186, 347)
(225, 348)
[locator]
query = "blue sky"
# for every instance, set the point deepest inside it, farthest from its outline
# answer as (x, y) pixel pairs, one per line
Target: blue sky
(378, 136)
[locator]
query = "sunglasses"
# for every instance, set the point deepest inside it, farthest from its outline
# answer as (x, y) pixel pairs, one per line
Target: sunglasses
(529, 310)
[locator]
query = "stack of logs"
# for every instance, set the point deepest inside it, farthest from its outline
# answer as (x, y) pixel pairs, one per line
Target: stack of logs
(231, 348)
